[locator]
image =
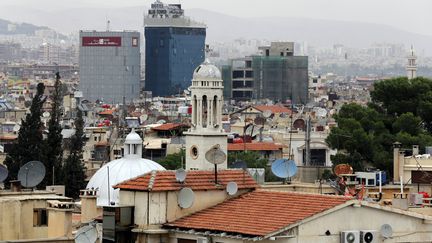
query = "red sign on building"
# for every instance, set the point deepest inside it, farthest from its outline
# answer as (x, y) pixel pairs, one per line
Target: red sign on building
(101, 41)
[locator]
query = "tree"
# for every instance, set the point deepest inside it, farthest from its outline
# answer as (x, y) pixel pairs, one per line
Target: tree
(28, 146)
(53, 144)
(173, 161)
(400, 95)
(73, 170)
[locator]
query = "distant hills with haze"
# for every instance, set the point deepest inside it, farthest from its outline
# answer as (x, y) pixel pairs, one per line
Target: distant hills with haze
(313, 31)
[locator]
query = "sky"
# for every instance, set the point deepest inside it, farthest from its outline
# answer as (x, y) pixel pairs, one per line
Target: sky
(411, 15)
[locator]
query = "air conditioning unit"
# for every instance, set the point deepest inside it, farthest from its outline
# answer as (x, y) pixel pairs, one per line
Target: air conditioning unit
(202, 240)
(351, 236)
(368, 236)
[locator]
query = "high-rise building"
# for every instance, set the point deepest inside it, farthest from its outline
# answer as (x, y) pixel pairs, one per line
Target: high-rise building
(174, 46)
(276, 74)
(109, 64)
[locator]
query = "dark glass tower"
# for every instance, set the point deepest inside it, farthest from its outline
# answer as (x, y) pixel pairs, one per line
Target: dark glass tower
(174, 47)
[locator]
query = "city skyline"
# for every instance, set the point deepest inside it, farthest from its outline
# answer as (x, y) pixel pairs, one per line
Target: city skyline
(407, 15)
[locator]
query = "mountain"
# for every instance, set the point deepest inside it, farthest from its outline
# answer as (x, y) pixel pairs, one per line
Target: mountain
(9, 28)
(313, 31)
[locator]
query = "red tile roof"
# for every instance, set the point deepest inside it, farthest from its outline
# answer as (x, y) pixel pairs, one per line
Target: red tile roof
(196, 180)
(168, 126)
(273, 108)
(8, 137)
(258, 213)
(255, 146)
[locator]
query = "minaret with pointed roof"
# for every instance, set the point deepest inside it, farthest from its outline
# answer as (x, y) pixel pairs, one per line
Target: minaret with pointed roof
(411, 68)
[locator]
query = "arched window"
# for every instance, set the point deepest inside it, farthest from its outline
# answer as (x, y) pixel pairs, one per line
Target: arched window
(204, 111)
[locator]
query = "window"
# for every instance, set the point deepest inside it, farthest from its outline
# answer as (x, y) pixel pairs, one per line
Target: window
(40, 217)
(194, 152)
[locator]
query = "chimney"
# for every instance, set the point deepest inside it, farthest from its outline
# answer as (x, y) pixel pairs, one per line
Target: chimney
(396, 149)
(15, 186)
(415, 150)
(401, 165)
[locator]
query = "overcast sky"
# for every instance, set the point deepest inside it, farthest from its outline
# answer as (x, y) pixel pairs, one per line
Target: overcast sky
(411, 15)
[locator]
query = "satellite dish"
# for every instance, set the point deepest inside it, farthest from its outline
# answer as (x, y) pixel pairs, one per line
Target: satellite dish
(180, 175)
(143, 118)
(186, 198)
(386, 231)
(161, 122)
(231, 188)
(16, 128)
(31, 174)
(239, 165)
(46, 114)
(259, 121)
(86, 234)
(284, 168)
(341, 169)
(267, 113)
(249, 129)
(3, 173)
(215, 155)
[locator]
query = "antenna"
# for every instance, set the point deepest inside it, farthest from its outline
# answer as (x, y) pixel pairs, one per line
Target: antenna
(231, 188)
(3, 173)
(267, 113)
(31, 174)
(186, 197)
(284, 168)
(215, 156)
(386, 231)
(86, 234)
(108, 25)
(180, 175)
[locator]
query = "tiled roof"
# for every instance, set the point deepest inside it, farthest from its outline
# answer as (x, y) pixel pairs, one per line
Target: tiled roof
(8, 137)
(168, 126)
(258, 213)
(255, 146)
(273, 108)
(196, 180)
(107, 112)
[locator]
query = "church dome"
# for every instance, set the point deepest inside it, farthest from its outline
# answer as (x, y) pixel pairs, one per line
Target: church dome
(116, 171)
(207, 71)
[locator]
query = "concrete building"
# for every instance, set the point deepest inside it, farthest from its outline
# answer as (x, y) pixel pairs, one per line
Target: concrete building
(35, 216)
(174, 47)
(276, 74)
(206, 132)
(109, 64)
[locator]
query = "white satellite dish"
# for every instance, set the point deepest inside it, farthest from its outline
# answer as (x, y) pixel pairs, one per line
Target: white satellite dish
(215, 155)
(180, 175)
(161, 122)
(186, 198)
(267, 113)
(46, 114)
(143, 118)
(231, 188)
(386, 231)
(86, 234)
(16, 128)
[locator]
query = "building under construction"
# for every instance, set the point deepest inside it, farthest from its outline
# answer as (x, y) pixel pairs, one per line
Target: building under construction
(275, 74)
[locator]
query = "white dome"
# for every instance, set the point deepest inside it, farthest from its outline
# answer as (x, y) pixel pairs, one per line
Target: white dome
(133, 138)
(119, 170)
(207, 71)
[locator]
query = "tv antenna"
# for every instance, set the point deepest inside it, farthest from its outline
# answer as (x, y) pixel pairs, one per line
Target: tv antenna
(186, 197)
(215, 156)
(31, 174)
(232, 188)
(180, 175)
(86, 234)
(3, 173)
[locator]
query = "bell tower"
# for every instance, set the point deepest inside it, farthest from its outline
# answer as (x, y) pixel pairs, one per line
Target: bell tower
(206, 131)
(411, 68)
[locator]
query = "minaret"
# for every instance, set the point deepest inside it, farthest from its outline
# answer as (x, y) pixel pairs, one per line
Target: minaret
(411, 68)
(206, 131)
